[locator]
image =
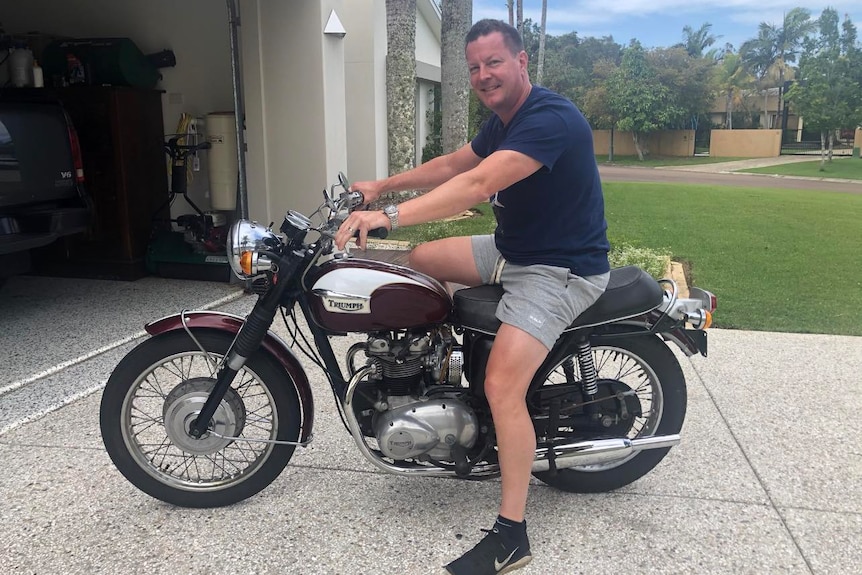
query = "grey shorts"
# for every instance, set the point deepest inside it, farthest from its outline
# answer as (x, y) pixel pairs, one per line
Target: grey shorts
(539, 299)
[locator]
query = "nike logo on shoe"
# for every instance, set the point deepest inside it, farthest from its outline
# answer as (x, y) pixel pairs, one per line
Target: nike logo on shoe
(498, 565)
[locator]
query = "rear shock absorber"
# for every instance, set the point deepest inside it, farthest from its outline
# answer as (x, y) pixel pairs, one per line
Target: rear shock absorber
(589, 377)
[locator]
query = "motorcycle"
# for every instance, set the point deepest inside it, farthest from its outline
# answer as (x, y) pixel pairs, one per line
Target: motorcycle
(210, 409)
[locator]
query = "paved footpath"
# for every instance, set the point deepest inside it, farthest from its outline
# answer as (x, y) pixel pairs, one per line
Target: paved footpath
(767, 480)
(726, 174)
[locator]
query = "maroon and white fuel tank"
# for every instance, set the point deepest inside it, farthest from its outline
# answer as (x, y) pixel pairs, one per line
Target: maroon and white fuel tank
(364, 295)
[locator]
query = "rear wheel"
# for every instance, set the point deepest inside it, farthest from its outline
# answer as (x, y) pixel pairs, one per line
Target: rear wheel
(643, 365)
(158, 389)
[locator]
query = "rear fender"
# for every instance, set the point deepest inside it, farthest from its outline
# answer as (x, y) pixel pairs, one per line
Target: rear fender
(272, 344)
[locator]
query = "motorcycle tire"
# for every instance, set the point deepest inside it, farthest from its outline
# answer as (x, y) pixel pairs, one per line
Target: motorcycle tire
(661, 366)
(144, 420)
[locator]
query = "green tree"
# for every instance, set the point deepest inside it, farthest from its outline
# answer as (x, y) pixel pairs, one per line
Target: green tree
(596, 102)
(570, 62)
(688, 79)
(828, 95)
(638, 99)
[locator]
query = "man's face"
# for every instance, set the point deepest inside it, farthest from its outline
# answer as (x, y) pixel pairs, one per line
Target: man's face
(497, 76)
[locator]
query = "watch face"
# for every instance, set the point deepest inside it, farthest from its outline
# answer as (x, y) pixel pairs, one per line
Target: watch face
(392, 212)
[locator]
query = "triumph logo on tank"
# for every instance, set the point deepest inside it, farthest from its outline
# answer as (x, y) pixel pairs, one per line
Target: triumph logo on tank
(343, 305)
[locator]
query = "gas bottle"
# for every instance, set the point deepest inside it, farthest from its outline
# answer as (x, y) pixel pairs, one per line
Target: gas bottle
(21, 67)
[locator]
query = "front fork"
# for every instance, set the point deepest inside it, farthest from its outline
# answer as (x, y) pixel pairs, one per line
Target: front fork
(248, 339)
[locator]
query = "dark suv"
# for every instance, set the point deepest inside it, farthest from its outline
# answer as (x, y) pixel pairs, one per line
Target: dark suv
(41, 179)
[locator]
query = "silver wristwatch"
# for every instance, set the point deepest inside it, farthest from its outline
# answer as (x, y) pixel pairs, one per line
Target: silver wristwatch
(391, 212)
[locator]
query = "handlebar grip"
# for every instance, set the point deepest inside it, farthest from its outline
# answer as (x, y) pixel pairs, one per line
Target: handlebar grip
(379, 233)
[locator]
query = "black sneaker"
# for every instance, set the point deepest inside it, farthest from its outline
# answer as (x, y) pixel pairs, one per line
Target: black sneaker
(491, 556)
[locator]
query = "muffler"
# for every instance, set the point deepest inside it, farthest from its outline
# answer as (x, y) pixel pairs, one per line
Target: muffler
(599, 451)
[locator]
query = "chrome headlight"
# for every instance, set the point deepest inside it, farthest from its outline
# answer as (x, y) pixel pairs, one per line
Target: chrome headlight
(244, 242)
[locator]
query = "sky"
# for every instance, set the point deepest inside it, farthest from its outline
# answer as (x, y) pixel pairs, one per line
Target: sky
(659, 23)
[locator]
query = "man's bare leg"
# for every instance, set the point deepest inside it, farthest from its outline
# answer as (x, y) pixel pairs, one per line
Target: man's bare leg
(515, 357)
(447, 260)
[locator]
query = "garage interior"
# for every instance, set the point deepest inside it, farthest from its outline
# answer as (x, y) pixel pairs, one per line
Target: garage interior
(131, 76)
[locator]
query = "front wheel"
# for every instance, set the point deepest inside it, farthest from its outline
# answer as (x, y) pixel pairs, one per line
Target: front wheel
(640, 364)
(155, 393)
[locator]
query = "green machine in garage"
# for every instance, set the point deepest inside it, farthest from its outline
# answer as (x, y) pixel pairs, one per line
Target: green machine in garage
(197, 249)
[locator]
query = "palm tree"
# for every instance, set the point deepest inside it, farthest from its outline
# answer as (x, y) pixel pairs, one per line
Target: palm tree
(777, 46)
(540, 64)
(455, 78)
(520, 15)
(732, 79)
(401, 83)
(696, 41)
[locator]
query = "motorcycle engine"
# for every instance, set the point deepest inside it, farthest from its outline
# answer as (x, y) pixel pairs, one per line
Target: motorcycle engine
(406, 420)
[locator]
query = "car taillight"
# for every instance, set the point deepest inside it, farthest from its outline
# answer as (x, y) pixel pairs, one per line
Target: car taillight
(76, 151)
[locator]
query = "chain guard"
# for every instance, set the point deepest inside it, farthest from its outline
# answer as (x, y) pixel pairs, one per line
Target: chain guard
(611, 413)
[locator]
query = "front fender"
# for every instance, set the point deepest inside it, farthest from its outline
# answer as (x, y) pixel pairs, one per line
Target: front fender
(272, 344)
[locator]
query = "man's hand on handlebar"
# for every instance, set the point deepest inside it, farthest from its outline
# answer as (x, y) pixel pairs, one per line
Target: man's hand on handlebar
(371, 189)
(358, 224)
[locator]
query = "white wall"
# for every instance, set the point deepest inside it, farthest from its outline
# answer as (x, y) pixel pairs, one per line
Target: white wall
(295, 102)
(196, 30)
(365, 69)
(427, 41)
(365, 65)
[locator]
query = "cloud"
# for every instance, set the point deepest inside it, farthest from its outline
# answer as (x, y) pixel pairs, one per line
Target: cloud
(584, 14)
(660, 22)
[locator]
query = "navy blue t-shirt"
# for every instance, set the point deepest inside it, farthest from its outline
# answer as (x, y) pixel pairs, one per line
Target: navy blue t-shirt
(556, 216)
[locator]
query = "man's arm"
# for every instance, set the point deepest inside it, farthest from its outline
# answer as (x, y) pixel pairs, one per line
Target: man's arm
(466, 189)
(423, 177)
(496, 172)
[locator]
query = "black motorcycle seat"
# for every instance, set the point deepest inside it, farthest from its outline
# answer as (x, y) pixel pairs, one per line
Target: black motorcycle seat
(630, 292)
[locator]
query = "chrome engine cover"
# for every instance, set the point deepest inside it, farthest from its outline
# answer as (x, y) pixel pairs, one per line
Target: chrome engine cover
(430, 427)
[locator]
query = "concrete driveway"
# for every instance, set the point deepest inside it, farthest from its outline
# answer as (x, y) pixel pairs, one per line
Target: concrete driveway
(768, 478)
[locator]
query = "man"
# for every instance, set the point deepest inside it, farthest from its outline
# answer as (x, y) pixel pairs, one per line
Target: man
(534, 160)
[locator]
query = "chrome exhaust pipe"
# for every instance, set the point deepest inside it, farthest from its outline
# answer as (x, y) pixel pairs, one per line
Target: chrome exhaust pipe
(599, 451)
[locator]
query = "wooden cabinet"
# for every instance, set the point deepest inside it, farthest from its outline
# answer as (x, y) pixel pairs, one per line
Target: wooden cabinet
(122, 147)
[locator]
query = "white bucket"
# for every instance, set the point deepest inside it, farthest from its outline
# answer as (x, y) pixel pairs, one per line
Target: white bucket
(222, 159)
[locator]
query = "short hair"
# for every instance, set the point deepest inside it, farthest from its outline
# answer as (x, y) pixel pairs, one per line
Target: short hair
(511, 37)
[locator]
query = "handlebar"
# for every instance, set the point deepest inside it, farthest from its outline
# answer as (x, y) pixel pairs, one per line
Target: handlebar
(379, 233)
(354, 199)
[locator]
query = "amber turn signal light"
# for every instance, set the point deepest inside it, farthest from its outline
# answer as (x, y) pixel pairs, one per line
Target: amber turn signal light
(245, 262)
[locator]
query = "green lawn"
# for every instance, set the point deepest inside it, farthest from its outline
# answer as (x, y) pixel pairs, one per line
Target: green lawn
(778, 260)
(841, 167)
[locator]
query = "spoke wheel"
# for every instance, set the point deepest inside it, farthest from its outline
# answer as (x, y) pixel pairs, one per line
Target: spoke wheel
(156, 393)
(646, 368)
